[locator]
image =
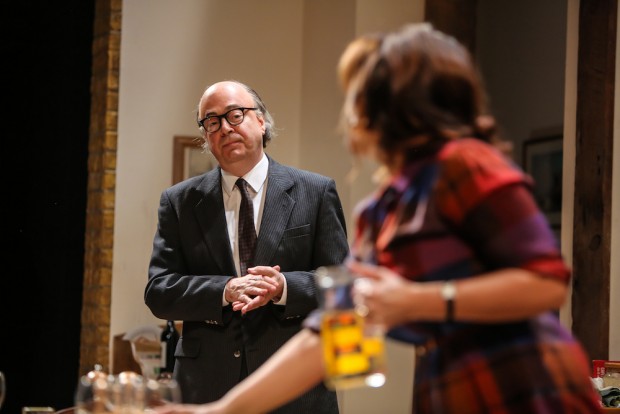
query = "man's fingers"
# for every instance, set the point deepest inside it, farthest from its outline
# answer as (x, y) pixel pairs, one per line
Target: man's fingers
(238, 306)
(263, 282)
(255, 303)
(264, 270)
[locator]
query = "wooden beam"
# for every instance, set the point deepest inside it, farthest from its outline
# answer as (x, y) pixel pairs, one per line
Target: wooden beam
(593, 169)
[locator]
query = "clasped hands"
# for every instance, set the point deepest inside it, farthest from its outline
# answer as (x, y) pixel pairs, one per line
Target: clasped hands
(261, 285)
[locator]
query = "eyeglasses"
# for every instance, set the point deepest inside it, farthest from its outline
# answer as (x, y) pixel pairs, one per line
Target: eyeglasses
(213, 123)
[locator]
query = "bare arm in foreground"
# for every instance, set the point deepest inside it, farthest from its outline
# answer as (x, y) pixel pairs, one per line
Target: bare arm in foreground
(293, 369)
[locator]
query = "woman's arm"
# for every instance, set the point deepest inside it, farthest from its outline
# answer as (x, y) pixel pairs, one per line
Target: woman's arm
(500, 296)
(295, 368)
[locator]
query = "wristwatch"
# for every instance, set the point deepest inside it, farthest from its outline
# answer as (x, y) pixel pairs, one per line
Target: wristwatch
(448, 292)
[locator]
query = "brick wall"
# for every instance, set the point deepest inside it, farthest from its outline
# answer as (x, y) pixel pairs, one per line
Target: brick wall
(99, 237)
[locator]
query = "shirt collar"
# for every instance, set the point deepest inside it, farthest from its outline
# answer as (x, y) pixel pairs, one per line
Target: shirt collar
(255, 177)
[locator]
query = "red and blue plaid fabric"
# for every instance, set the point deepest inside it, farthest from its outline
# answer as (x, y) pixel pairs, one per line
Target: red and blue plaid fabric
(452, 214)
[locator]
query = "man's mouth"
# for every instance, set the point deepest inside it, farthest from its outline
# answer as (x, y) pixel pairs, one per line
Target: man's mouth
(232, 142)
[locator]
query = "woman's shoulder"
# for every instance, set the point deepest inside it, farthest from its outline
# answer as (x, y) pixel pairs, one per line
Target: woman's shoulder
(479, 160)
(471, 169)
(472, 150)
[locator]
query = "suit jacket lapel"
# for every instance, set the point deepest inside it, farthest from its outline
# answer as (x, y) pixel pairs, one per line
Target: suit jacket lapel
(210, 215)
(277, 209)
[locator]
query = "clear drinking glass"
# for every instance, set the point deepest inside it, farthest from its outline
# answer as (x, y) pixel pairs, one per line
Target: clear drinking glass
(126, 393)
(353, 350)
(88, 396)
(161, 391)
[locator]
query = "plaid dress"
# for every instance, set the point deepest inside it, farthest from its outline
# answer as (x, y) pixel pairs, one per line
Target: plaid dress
(457, 211)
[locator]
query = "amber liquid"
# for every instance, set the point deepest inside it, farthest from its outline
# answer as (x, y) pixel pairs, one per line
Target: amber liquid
(354, 353)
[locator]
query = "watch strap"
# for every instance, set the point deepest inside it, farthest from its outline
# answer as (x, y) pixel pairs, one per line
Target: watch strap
(448, 292)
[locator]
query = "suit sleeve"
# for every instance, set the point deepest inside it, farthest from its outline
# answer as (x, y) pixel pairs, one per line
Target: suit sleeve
(172, 293)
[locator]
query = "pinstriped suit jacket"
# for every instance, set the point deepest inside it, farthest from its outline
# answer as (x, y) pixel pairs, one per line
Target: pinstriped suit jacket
(302, 228)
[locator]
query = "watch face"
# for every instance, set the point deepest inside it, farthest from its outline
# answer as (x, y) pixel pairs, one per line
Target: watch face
(448, 290)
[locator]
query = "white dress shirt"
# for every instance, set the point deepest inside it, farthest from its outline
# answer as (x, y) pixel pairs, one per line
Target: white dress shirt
(257, 188)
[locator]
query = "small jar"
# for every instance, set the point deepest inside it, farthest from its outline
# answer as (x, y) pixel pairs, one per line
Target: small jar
(612, 374)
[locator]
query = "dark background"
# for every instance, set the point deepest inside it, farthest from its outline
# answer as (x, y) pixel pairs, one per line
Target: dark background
(46, 50)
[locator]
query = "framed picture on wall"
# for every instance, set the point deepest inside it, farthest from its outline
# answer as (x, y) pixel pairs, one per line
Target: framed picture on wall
(542, 160)
(189, 159)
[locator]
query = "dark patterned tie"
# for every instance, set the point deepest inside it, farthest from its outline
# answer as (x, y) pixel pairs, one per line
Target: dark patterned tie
(247, 232)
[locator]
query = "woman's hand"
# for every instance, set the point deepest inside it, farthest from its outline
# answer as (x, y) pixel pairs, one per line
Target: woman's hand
(387, 295)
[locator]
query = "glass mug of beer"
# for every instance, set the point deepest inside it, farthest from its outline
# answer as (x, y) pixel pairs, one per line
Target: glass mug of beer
(353, 350)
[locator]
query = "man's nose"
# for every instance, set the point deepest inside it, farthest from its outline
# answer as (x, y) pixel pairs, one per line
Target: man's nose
(225, 125)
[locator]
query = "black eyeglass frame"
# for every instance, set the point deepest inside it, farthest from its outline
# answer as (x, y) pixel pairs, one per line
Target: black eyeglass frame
(224, 115)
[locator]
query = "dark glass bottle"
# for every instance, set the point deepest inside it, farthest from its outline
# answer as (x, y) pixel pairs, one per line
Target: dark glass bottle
(169, 339)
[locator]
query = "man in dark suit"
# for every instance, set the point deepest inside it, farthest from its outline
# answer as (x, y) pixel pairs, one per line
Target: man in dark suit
(234, 319)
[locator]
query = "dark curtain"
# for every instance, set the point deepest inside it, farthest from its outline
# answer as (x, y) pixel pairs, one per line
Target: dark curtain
(46, 55)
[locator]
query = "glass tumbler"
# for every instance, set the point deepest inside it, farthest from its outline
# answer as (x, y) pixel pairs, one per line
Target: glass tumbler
(353, 350)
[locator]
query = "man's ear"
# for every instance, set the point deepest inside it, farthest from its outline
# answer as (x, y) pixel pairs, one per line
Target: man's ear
(263, 124)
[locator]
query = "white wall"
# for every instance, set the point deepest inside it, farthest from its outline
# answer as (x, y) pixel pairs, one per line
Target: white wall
(570, 127)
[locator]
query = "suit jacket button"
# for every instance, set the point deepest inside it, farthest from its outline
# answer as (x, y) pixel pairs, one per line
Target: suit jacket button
(237, 354)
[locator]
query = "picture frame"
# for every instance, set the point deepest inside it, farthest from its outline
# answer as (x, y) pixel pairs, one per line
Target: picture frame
(189, 158)
(542, 160)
